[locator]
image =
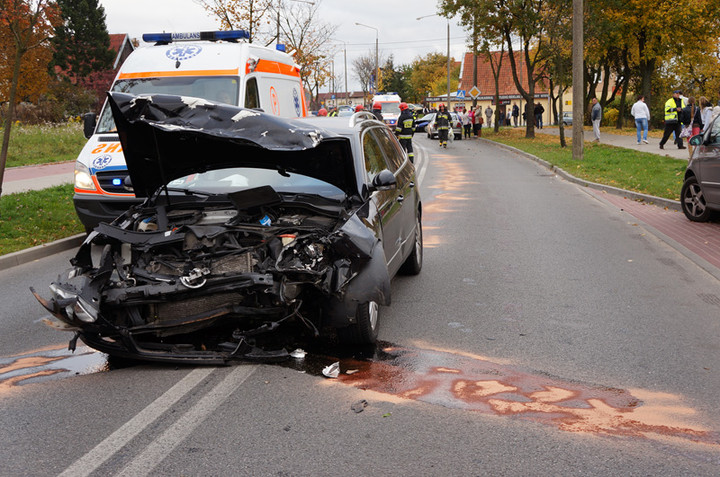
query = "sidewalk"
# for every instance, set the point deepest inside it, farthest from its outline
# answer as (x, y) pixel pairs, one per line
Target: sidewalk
(25, 178)
(628, 142)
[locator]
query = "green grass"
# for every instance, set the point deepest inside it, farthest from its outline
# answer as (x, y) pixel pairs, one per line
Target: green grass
(45, 143)
(36, 217)
(642, 172)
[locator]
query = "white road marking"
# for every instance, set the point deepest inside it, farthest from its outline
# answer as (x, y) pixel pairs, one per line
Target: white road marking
(114, 442)
(160, 448)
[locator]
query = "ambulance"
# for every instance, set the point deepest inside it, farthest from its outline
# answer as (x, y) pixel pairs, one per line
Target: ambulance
(390, 104)
(213, 66)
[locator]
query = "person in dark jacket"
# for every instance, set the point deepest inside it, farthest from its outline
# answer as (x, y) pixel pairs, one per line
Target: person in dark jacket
(404, 130)
(377, 110)
(442, 121)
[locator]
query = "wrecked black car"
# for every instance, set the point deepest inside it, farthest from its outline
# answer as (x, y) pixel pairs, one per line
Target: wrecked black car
(250, 222)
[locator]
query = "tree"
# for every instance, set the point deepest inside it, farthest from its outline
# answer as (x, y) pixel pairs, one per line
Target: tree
(240, 14)
(364, 68)
(308, 39)
(81, 43)
(518, 23)
(429, 74)
(26, 25)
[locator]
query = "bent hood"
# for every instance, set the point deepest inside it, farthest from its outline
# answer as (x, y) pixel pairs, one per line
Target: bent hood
(165, 137)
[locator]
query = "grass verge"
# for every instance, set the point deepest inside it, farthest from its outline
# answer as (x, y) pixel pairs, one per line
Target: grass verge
(642, 172)
(36, 217)
(44, 143)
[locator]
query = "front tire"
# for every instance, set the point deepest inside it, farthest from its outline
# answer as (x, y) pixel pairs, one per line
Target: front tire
(365, 329)
(693, 202)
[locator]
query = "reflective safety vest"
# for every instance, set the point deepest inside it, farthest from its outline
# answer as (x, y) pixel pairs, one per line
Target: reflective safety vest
(671, 114)
(405, 125)
(443, 120)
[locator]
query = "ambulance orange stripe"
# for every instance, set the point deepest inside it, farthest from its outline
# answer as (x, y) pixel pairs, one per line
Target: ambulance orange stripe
(267, 66)
(161, 74)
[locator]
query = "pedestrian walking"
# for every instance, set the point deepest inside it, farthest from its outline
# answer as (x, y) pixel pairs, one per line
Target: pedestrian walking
(596, 117)
(488, 115)
(691, 121)
(442, 120)
(478, 122)
(404, 129)
(515, 114)
(538, 111)
(465, 119)
(471, 117)
(673, 107)
(641, 113)
(706, 114)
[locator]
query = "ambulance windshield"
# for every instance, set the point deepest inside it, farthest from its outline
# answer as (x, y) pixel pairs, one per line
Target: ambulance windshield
(221, 89)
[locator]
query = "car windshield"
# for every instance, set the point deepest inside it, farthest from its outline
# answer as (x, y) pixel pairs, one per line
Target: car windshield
(390, 108)
(222, 89)
(224, 181)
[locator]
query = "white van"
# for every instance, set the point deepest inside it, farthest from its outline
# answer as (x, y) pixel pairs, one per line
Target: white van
(390, 107)
(208, 65)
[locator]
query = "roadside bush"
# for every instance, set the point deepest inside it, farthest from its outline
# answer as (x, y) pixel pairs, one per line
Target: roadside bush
(60, 103)
(610, 117)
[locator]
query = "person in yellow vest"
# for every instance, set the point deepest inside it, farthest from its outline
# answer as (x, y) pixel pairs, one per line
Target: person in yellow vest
(673, 107)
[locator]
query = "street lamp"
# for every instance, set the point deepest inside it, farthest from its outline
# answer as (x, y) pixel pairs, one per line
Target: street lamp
(347, 100)
(377, 71)
(448, 54)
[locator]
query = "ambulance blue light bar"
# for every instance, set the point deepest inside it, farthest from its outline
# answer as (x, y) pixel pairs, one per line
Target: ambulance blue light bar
(228, 35)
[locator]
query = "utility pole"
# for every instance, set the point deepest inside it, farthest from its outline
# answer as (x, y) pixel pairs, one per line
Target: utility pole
(578, 100)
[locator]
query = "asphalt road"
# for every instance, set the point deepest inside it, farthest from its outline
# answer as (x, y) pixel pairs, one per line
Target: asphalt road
(546, 335)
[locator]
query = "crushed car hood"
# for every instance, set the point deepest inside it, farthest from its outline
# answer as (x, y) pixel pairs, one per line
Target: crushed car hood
(165, 137)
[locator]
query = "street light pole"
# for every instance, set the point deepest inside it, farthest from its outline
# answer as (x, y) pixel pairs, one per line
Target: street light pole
(377, 71)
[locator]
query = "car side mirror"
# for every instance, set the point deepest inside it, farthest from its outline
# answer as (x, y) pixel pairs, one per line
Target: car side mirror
(385, 180)
(89, 123)
(696, 140)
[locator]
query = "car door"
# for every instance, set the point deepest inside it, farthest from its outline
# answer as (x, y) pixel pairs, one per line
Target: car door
(707, 158)
(386, 201)
(402, 210)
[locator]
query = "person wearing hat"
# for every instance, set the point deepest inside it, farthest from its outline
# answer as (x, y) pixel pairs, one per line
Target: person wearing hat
(673, 107)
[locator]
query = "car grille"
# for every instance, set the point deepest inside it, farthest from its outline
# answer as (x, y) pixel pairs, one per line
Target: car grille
(113, 182)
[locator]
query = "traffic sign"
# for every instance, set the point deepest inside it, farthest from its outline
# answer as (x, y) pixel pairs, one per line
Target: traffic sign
(474, 92)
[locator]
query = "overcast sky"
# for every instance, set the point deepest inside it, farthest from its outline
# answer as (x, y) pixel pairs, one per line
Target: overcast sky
(399, 33)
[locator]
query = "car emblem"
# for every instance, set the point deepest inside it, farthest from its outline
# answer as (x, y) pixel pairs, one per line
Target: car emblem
(101, 162)
(182, 53)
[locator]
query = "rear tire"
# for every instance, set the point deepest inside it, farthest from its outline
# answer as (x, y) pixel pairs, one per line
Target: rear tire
(413, 264)
(365, 329)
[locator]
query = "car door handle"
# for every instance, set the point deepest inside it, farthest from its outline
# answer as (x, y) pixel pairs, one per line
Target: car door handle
(400, 198)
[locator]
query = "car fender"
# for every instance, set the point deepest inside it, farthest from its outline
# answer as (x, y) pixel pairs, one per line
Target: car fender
(372, 283)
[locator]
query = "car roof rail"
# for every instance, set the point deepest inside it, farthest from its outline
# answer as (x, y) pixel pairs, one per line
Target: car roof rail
(359, 117)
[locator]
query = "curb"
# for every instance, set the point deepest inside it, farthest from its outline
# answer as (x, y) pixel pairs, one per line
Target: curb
(28, 255)
(650, 199)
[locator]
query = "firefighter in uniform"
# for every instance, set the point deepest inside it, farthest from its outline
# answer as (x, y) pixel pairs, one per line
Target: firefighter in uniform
(404, 130)
(442, 120)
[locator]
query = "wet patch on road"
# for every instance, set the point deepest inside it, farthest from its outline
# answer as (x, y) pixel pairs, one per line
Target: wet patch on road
(51, 363)
(475, 383)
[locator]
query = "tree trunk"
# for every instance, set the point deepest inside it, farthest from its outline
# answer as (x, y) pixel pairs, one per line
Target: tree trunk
(10, 113)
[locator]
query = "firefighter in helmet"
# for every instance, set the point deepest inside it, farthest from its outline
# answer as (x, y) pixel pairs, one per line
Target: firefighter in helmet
(377, 110)
(404, 130)
(442, 121)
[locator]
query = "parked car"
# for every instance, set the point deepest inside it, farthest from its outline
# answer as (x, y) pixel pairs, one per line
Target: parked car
(567, 118)
(456, 125)
(422, 122)
(251, 223)
(700, 192)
